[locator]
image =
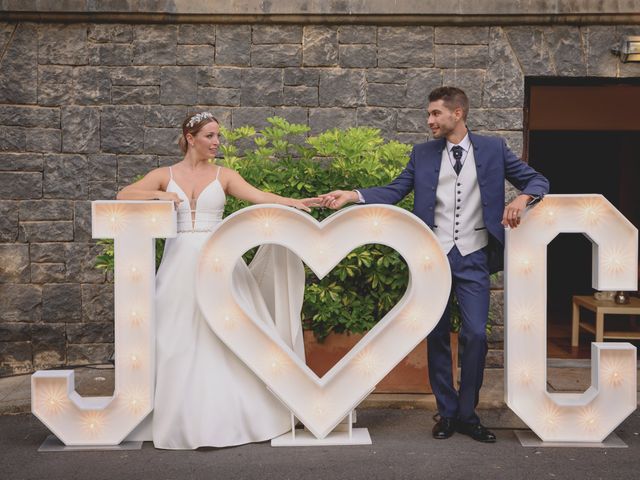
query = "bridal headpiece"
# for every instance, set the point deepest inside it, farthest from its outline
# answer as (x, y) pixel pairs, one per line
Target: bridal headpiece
(198, 117)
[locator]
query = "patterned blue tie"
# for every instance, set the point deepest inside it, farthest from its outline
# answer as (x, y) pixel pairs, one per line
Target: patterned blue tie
(457, 154)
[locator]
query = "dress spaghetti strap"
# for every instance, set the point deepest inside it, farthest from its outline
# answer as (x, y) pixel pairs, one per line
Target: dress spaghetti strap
(170, 174)
(218, 173)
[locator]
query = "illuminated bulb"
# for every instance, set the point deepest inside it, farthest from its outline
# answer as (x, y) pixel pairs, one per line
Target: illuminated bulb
(277, 362)
(524, 318)
(590, 212)
(53, 399)
(589, 419)
(615, 260)
(427, 261)
(616, 370)
(524, 264)
(154, 219)
(525, 374)
(366, 362)
(377, 220)
(134, 272)
(115, 216)
(136, 318)
(134, 400)
(546, 211)
(412, 321)
(551, 416)
(267, 221)
(135, 361)
(93, 422)
(320, 408)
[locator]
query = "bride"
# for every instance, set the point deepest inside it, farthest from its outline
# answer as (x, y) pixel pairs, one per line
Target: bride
(205, 396)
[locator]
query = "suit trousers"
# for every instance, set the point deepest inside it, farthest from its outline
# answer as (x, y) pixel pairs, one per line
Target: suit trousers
(470, 283)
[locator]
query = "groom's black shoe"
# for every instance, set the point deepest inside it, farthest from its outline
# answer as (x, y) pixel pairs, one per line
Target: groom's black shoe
(476, 431)
(444, 428)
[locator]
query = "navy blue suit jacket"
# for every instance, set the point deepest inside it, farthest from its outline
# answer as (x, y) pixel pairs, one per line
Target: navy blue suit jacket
(494, 163)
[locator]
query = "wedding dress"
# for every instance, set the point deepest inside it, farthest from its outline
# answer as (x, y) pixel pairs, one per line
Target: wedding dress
(205, 396)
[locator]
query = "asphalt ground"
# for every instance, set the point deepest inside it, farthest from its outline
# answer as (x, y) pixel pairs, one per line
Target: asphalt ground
(402, 449)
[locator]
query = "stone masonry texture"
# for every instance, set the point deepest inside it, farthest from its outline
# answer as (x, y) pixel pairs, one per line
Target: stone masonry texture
(85, 108)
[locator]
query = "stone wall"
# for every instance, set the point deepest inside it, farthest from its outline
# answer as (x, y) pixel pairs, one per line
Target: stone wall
(84, 108)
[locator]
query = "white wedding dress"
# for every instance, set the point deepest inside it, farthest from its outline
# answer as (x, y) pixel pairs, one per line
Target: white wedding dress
(205, 396)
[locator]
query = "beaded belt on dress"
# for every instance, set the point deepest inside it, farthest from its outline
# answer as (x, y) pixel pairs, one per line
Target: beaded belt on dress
(206, 220)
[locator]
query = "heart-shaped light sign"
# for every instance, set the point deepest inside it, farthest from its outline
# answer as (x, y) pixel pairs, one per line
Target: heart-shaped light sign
(321, 403)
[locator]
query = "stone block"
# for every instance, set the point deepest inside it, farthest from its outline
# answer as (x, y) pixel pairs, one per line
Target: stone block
(219, 96)
(61, 303)
(46, 231)
(309, 77)
(20, 185)
(43, 140)
(13, 139)
(178, 85)
(495, 337)
(8, 221)
(387, 75)
(420, 82)
(301, 96)
(48, 273)
(102, 167)
(412, 120)
(565, 47)
(195, 54)
(49, 344)
(15, 357)
(405, 46)
(80, 259)
(65, 176)
(461, 56)
(233, 45)
(600, 61)
(357, 33)
(276, 34)
(254, 116)
(495, 119)
(55, 85)
(110, 32)
(19, 66)
(462, 35)
(275, 55)
(47, 252)
(135, 75)
(91, 86)
(97, 303)
(103, 190)
(342, 88)
(262, 87)
(20, 303)
(34, 210)
(80, 129)
(168, 160)
(60, 44)
(529, 45)
(293, 115)
(219, 77)
(358, 56)
(135, 95)
(132, 166)
(29, 116)
(320, 46)
(110, 54)
(155, 44)
(81, 224)
(321, 119)
(471, 81)
(14, 263)
(161, 141)
(21, 162)
(89, 353)
(122, 129)
(196, 34)
(495, 359)
(386, 94)
(90, 333)
(15, 332)
(411, 138)
(161, 116)
(504, 82)
(382, 118)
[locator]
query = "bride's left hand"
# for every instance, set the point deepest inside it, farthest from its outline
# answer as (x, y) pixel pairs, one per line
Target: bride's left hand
(303, 203)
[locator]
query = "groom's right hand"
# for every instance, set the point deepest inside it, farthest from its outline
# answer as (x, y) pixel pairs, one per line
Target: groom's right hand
(338, 198)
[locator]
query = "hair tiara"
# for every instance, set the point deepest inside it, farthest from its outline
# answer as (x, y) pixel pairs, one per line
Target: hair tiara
(198, 117)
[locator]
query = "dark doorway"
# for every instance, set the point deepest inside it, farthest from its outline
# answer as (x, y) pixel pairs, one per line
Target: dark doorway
(584, 136)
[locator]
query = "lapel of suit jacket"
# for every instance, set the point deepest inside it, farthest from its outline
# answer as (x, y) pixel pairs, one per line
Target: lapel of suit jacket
(479, 156)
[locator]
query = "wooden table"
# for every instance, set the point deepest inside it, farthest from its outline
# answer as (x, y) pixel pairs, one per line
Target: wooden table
(602, 308)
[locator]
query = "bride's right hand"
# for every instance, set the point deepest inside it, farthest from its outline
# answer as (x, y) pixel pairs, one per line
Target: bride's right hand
(172, 196)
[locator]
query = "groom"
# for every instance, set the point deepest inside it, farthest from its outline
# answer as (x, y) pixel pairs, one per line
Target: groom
(458, 180)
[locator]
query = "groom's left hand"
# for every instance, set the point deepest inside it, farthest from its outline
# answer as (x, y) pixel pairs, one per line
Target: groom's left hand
(513, 211)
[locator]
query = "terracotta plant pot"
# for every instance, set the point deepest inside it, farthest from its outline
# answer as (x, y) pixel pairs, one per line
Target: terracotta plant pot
(409, 376)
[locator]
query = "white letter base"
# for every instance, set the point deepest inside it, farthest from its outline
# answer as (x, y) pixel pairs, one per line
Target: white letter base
(343, 434)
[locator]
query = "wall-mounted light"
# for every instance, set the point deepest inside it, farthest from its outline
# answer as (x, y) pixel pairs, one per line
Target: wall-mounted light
(628, 50)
